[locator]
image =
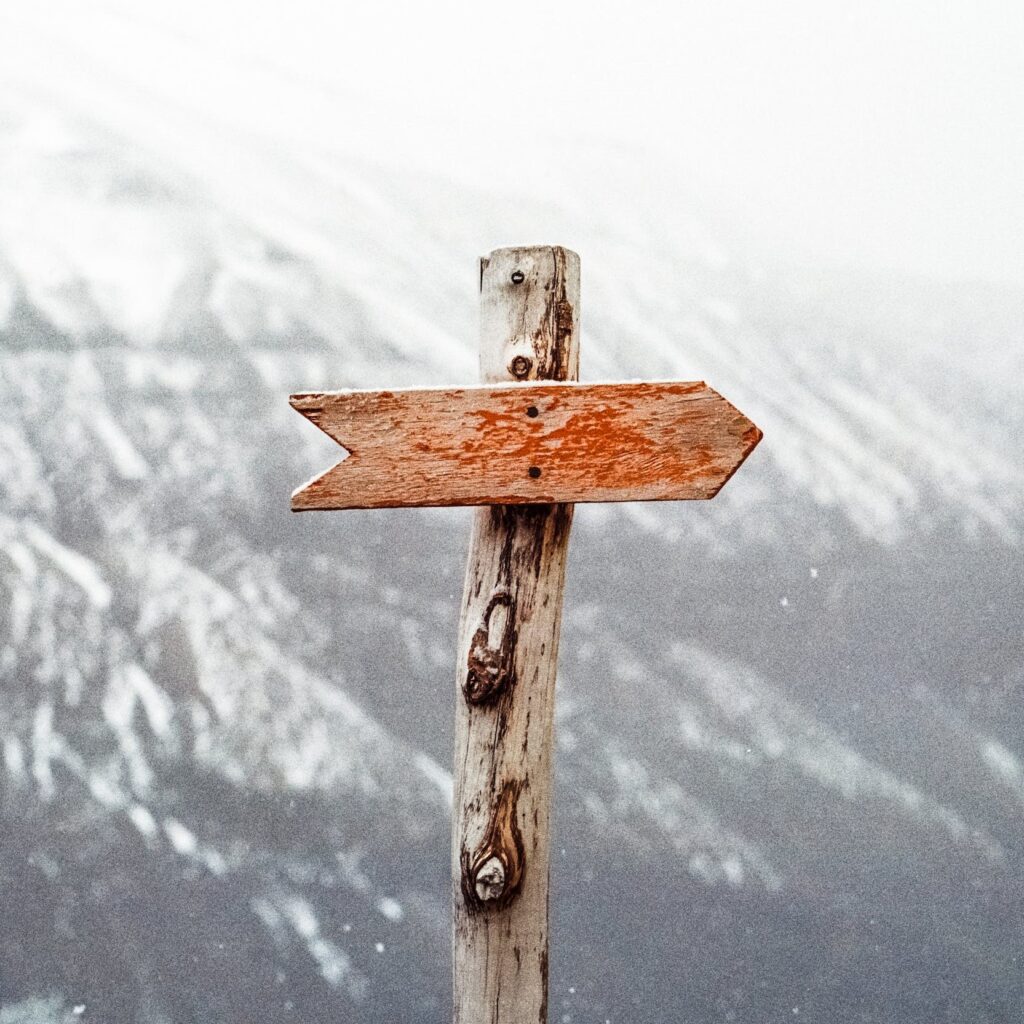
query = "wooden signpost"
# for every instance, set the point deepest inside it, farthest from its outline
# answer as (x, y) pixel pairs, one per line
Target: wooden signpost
(525, 452)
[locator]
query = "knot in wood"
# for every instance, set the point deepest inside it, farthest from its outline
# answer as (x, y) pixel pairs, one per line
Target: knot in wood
(490, 880)
(492, 872)
(520, 367)
(489, 667)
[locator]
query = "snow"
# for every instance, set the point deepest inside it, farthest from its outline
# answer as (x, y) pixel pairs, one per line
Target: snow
(145, 238)
(713, 853)
(130, 684)
(437, 775)
(144, 821)
(129, 464)
(334, 963)
(181, 838)
(202, 267)
(8, 294)
(157, 705)
(43, 746)
(1005, 765)
(14, 758)
(19, 613)
(761, 729)
(390, 908)
(76, 566)
(175, 372)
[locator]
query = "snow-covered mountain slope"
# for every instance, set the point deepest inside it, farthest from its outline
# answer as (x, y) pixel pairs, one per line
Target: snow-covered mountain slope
(790, 727)
(897, 411)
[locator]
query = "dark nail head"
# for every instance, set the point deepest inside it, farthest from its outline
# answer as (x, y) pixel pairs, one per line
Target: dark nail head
(518, 277)
(534, 471)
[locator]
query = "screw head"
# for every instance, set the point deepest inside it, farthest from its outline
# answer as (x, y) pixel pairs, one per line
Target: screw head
(520, 367)
(534, 472)
(518, 277)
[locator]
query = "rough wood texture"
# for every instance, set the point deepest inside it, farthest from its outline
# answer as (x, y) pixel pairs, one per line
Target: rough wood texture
(508, 652)
(525, 444)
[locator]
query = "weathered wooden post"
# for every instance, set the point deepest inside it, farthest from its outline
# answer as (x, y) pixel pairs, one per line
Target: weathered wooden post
(508, 657)
(524, 447)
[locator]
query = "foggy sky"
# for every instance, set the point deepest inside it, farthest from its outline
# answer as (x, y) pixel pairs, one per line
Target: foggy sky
(880, 134)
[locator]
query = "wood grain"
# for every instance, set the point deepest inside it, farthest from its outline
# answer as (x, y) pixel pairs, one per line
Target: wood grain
(508, 654)
(526, 444)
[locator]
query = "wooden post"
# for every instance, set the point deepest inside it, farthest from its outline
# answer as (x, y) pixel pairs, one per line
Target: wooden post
(529, 436)
(514, 450)
(508, 654)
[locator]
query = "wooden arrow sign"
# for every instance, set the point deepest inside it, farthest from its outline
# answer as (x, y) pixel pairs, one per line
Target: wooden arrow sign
(525, 444)
(531, 435)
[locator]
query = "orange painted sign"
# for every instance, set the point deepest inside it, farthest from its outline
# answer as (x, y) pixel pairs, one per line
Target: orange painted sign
(525, 444)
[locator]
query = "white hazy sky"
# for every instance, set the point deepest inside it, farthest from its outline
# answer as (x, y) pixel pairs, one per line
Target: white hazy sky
(887, 134)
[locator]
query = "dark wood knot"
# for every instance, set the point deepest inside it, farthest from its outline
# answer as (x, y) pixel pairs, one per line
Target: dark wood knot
(492, 874)
(489, 668)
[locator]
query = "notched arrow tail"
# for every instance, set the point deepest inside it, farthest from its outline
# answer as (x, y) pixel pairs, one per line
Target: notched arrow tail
(312, 405)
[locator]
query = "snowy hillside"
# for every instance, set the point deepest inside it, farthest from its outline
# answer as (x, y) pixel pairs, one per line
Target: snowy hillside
(790, 722)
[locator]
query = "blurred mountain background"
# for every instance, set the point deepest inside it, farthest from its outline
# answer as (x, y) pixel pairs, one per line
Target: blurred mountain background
(790, 764)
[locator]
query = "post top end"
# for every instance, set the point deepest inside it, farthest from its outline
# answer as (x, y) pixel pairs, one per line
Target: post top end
(525, 251)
